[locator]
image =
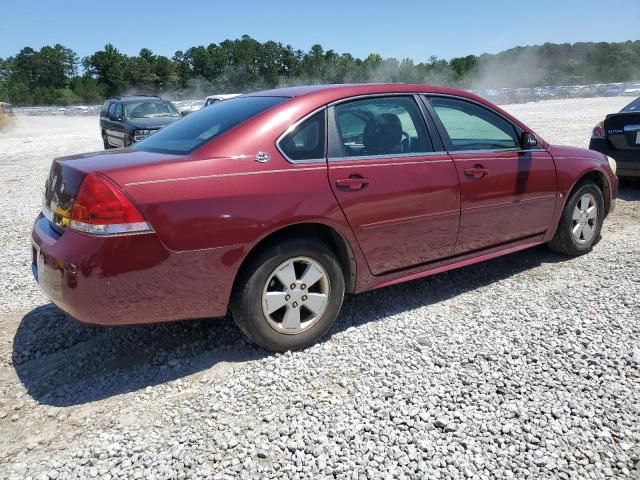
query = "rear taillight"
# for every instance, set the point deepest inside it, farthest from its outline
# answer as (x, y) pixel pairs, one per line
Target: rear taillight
(598, 130)
(101, 208)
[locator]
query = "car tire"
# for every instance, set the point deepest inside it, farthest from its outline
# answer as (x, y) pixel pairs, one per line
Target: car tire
(303, 318)
(105, 141)
(581, 221)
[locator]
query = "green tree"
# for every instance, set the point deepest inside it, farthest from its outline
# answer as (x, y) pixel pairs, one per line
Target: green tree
(107, 67)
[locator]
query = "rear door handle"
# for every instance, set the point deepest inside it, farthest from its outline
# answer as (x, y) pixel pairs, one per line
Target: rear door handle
(354, 182)
(477, 171)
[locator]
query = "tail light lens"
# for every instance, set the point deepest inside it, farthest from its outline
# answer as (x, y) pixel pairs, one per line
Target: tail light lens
(598, 130)
(101, 208)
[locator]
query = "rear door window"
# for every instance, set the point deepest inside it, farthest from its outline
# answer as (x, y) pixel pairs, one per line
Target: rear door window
(380, 126)
(307, 141)
(198, 128)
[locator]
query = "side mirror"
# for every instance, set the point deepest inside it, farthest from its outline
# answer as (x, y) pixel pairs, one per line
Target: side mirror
(184, 113)
(528, 140)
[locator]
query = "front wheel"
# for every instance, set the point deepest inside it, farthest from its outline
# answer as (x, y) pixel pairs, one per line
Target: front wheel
(581, 221)
(289, 295)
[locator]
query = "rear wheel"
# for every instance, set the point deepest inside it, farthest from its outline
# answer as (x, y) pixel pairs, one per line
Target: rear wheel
(581, 221)
(289, 295)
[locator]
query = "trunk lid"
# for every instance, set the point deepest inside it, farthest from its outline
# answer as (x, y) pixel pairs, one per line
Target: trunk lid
(66, 174)
(623, 130)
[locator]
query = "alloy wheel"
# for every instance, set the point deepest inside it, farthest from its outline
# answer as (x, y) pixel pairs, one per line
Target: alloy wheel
(585, 219)
(296, 295)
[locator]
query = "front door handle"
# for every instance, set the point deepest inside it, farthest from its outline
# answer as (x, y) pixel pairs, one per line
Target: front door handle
(354, 182)
(477, 171)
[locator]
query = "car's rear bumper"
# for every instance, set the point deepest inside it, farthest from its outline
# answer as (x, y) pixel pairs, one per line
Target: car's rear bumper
(628, 161)
(128, 279)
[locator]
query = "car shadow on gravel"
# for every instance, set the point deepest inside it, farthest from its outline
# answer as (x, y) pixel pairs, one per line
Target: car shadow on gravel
(63, 363)
(629, 189)
(378, 304)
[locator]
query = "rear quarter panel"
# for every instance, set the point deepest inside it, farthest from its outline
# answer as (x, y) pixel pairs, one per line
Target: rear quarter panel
(220, 197)
(235, 205)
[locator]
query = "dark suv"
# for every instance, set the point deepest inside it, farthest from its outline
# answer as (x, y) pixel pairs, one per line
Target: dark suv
(126, 120)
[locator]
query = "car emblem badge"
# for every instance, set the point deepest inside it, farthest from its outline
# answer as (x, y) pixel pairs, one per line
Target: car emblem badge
(262, 157)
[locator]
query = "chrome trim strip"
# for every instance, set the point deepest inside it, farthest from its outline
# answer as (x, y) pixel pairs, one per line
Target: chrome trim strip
(631, 128)
(395, 94)
(392, 155)
(370, 95)
(442, 153)
(113, 229)
(414, 218)
(222, 175)
(295, 125)
(507, 204)
(496, 150)
(393, 164)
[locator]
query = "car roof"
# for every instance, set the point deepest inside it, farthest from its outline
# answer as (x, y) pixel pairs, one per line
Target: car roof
(347, 90)
(135, 98)
(309, 98)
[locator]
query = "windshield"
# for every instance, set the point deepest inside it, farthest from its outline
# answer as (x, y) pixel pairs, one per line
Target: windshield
(148, 109)
(204, 125)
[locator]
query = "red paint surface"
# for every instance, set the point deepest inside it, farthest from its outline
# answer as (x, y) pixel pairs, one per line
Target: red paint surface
(416, 216)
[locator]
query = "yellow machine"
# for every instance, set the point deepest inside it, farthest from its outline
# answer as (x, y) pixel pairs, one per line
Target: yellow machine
(7, 118)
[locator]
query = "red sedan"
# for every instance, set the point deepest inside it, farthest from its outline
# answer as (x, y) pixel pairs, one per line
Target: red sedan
(273, 205)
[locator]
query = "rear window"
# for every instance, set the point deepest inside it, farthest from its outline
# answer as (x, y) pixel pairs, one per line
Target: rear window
(193, 131)
(633, 106)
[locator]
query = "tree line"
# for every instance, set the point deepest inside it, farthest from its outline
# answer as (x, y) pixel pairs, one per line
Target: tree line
(56, 75)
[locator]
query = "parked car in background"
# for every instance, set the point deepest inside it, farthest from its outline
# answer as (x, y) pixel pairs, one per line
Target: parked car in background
(521, 95)
(600, 88)
(127, 120)
(189, 106)
(6, 115)
(549, 93)
(632, 91)
(274, 205)
(618, 136)
(495, 96)
(613, 91)
(211, 99)
(588, 91)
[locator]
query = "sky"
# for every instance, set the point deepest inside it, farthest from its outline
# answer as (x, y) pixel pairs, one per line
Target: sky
(400, 29)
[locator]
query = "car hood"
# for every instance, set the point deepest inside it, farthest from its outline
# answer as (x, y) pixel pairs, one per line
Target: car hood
(157, 122)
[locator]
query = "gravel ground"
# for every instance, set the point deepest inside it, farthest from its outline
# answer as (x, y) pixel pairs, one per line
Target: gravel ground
(527, 366)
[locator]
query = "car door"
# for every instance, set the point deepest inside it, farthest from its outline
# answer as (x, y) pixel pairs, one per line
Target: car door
(117, 127)
(104, 117)
(401, 198)
(507, 193)
(110, 126)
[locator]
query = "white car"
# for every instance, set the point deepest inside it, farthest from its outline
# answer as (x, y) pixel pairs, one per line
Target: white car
(189, 106)
(632, 91)
(211, 99)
